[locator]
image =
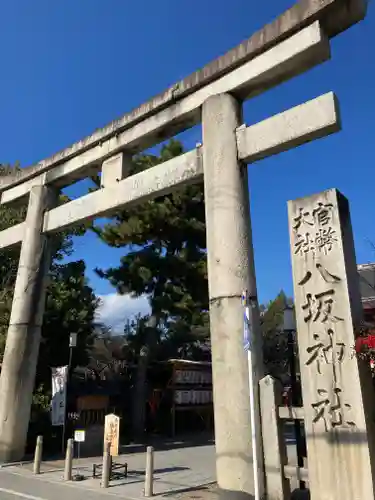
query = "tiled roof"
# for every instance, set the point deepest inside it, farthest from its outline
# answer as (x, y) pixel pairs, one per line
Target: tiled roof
(367, 284)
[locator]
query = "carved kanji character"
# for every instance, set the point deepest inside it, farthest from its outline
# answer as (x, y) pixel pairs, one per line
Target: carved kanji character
(325, 352)
(304, 217)
(323, 213)
(320, 305)
(316, 352)
(304, 243)
(325, 239)
(331, 412)
(324, 273)
(334, 351)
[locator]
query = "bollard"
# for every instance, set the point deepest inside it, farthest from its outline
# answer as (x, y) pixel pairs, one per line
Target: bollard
(69, 460)
(38, 454)
(149, 477)
(106, 469)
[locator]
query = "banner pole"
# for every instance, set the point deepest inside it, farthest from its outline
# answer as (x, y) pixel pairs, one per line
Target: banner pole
(248, 348)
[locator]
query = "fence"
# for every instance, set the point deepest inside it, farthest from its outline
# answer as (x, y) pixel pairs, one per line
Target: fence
(278, 471)
(92, 417)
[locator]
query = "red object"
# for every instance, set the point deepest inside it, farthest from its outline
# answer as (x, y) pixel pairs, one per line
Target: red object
(154, 401)
(286, 396)
(368, 341)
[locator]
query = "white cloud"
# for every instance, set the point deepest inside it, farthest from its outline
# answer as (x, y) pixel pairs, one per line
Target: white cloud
(115, 309)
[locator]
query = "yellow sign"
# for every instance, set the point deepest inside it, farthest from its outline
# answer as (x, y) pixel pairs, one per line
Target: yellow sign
(112, 433)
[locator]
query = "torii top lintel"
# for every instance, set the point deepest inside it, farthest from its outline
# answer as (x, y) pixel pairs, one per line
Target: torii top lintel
(335, 17)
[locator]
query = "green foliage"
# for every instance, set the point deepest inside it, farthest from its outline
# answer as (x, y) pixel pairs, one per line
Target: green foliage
(8, 260)
(174, 339)
(70, 307)
(70, 304)
(41, 399)
(166, 241)
(135, 336)
(273, 316)
(274, 339)
(186, 341)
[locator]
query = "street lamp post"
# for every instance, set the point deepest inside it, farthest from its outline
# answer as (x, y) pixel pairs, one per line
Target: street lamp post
(289, 327)
(72, 345)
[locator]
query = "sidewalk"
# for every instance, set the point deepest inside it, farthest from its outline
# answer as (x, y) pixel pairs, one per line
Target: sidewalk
(175, 471)
(181, 471)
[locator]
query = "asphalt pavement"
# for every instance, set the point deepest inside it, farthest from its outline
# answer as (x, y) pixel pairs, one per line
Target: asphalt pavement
(14, 486)
(176, 470)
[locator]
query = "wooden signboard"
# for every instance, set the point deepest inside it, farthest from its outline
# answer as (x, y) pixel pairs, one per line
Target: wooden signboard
(112, 433)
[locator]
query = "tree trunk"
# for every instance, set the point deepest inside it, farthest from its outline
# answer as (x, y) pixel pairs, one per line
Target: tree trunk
(140, 387)
(140, 392)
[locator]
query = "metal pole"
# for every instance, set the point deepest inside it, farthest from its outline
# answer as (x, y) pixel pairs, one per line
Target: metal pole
(295, 402)
(69, 460)
(252, 399)
(106, 469)
(149, 476)
(66, 398)
(79, 456)
(38, 455)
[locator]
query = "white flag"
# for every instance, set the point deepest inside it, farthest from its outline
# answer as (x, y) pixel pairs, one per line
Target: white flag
(59, 383)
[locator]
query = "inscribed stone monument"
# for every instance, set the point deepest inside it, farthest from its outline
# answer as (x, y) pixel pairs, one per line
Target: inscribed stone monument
(112, 433)
(337, 391)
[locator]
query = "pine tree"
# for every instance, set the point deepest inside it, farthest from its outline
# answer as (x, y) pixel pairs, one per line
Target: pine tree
(165, 241)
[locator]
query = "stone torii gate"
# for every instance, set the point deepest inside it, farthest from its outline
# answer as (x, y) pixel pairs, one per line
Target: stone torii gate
(293, 43)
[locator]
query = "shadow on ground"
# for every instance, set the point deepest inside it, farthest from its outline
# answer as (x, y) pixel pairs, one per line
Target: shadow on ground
(158, 442)
(195, 489)
(164, 444)
(165, 470)
(300, 495)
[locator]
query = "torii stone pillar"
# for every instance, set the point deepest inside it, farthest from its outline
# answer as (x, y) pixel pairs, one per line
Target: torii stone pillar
(24, 333)
(230, 270)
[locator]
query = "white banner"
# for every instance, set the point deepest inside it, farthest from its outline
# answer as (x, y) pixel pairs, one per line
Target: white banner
(59, 383)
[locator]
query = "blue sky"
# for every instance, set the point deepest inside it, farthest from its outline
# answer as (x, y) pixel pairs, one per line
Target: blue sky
(69, 67)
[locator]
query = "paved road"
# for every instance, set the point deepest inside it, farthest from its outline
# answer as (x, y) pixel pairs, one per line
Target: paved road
(18, 487)
(175, 469)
